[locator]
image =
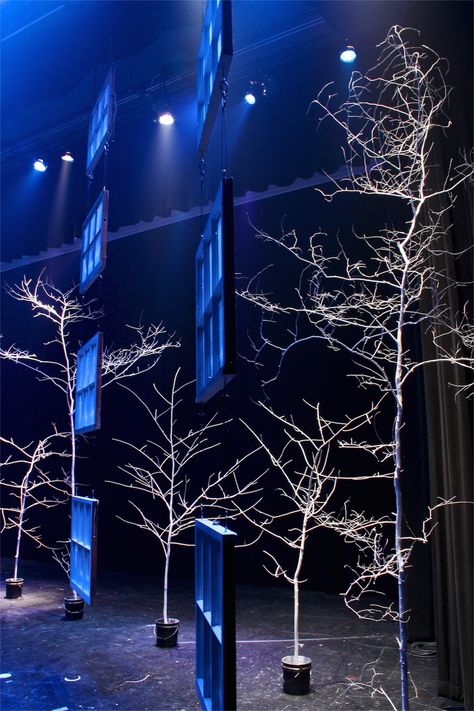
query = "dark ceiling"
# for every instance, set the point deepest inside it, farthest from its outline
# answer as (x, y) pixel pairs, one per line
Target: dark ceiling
(55, 56)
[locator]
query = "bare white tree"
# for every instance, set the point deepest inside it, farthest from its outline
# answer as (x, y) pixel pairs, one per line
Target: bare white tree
(56, 363)
(308, 480)
(166, 476)
(31, 487)
(365, 301)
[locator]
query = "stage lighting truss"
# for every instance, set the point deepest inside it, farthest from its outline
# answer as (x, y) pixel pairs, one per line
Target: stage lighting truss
(101, 123)
(94, 241)
(215, 55)
(215, 300)
(84, 547)
(88, 385)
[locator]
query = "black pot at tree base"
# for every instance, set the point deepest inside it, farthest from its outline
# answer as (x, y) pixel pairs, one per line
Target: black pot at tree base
(14, 588)
(166, 632)
(74, 608)
(296, 674)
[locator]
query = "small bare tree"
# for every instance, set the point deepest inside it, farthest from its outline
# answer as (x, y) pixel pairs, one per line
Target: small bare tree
(307, 485)
(166, 475)
(33, 488)
(366, 301)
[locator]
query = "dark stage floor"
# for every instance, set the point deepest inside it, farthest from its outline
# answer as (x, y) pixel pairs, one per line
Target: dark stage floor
(108, 660)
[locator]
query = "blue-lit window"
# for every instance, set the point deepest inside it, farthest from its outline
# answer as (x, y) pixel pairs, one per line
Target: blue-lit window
(88, 384)
(94, 241)
(215, 55)
(101, 123)
(215, 302)
(83, 546)
(215, 616)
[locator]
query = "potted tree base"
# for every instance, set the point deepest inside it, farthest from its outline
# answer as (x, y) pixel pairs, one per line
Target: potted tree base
(166, 633)
(296, 674)
(74, 607)
(14, 588)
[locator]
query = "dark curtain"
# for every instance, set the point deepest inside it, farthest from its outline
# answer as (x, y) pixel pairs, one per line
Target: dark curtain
(449, 419)
(450, 451)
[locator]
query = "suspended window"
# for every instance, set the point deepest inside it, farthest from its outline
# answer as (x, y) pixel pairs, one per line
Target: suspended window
(215, 616)
(215, 299)
(215, 55)
(101, 123)
(88, 383)
(94, 241)
(84, 546)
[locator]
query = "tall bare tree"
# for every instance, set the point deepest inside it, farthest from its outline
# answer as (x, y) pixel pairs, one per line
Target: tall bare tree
(366, 301)
(56, 362)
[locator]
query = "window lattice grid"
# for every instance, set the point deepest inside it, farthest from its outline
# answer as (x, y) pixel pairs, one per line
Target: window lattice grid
(215, 54)
(87, 409)
(100, 126)
(83, 546)
(215, 317)
(94, 241)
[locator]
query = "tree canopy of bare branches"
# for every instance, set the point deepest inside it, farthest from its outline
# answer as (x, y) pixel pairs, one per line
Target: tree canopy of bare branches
(169, 474)
(364, 301)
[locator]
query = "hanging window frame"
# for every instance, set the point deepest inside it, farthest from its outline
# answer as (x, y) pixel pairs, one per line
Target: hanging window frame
(214, 59)
(215, 298)
(87, 409)
(215, 616)
(83, 570)
(101, 122)
(94, 241)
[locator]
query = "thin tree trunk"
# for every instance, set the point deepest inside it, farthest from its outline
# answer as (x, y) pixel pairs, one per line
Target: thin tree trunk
(24, 490)
(399, 502)
(296, 589)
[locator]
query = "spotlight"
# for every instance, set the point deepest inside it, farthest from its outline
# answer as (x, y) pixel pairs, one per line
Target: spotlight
(40, 165)
(166, 118)
(250, 98)
(348, 54)
(67, 157)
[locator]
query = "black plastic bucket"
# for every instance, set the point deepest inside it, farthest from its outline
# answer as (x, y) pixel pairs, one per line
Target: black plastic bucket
(74, 608)
(14, 588)
(296, 675)
(166, 632)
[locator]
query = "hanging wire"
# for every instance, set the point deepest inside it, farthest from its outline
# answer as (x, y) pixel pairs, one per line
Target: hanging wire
(224, 86)
(202, 176)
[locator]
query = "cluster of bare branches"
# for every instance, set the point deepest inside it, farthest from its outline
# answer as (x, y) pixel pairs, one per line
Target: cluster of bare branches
(57, 362)
(31, 487)
(306, 488)
(362, 295)
(166, 471)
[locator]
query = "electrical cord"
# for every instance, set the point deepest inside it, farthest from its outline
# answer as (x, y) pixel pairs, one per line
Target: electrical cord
(422, 649)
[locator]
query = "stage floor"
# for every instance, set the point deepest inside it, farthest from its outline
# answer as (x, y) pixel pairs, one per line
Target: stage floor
(108, 660)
